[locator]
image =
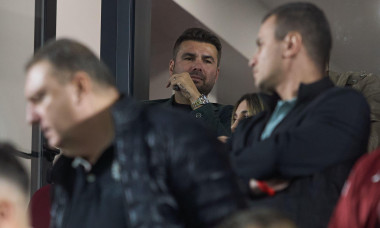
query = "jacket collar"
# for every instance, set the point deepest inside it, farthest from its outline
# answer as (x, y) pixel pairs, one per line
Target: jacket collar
(306, 92)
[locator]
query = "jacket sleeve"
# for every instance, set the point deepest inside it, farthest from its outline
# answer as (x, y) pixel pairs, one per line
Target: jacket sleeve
(334, 130)
(218, 117)
(202, 179)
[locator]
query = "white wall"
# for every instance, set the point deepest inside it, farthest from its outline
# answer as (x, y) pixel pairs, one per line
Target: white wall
(237, 22)
(17, 46)
(80, 20)
(238, 36)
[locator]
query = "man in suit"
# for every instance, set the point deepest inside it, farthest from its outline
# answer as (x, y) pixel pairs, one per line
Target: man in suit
(312, 132)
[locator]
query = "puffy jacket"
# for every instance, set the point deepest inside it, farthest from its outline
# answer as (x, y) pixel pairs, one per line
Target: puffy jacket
(173, 172)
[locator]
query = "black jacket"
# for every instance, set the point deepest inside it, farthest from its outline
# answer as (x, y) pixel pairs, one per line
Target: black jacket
(216, 116)
(314, 147)
(171, 178)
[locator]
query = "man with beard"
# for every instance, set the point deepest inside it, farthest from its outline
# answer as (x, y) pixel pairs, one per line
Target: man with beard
(194, 70)
(312, 132)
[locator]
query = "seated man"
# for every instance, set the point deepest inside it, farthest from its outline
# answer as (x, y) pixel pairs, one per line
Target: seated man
(123, 165)
(14, 188)
(312, 132)
(194, 70)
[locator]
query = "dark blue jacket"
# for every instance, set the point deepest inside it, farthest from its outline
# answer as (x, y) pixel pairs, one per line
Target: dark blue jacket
(215, 116)
(314, 148)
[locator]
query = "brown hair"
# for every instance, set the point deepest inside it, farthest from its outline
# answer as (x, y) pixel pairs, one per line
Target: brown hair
(260, 218)
(311, 23)
(11, 169)
(254, 104)
(69, 56)
(200, 35)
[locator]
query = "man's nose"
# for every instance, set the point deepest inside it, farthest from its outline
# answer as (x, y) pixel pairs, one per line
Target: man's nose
(197, 64)
(31, 115)
(252, 62)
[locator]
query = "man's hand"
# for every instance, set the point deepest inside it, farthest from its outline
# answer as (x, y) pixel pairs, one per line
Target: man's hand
(185, 84)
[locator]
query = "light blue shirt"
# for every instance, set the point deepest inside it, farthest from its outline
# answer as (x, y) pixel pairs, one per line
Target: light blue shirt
(282, 109)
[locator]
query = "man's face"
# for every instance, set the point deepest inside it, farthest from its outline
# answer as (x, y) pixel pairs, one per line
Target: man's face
(266, 63)
(200, 60)
(50, 103)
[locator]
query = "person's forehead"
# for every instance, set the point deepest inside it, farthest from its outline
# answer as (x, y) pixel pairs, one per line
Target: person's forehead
(191, 46)
(37, 77)
(268, 26)
(242, 106)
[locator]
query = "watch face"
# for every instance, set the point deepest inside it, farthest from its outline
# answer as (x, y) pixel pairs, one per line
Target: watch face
(204, 99)
(200, 101)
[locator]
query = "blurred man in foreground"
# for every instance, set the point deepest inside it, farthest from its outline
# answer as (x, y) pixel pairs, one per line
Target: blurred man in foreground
(123, 165)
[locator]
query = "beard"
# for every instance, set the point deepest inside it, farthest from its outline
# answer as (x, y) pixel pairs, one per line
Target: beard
(202, 86)
(204, 89)
(268, 83)
(266, 87)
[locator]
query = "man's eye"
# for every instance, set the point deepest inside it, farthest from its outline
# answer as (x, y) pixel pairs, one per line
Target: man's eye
(38, 98)
(208, 61)
(188, 58)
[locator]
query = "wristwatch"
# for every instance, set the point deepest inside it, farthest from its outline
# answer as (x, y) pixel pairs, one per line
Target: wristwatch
(202, 99)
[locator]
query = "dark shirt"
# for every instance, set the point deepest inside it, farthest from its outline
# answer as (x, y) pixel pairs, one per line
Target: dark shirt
(183, 107)
(216, 116)
(96, 199)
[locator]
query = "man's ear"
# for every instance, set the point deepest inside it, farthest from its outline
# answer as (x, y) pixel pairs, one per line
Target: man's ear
(171, 67)
(292, 44)
(6, 212)
(82, 85)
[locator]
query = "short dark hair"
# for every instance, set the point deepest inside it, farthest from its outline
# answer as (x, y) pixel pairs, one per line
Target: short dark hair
(70, 56)
(254, 105)
(311, 23)
(11, 169)
(200, 35)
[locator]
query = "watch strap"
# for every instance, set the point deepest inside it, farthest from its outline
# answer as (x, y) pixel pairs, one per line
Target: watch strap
(202, 100)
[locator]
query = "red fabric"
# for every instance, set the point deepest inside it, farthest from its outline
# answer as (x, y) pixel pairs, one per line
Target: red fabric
(40, 207)
(265, 188)
(359, 204)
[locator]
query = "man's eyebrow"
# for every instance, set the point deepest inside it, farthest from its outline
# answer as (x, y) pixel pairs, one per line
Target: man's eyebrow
(208, 57)
(186, 54)
(37, 94)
